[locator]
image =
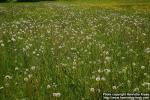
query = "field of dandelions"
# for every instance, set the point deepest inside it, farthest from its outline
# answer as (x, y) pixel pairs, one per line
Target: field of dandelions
(57, 51)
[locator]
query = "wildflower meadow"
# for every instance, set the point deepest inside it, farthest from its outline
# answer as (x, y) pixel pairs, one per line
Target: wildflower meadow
(72, 50)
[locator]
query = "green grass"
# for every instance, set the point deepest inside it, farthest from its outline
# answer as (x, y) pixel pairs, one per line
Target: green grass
(108, 1)
(77, 50)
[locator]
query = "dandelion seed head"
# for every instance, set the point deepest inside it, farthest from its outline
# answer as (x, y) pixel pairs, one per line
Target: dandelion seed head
(56, 94)
(48, 86)
(26, 79)
(2, 45)
(142, 67)
(1, 87)
(8, 77)
(92, 90)
(136, 90)
(33, 68)
(16, 68)
(98, 78)
(114, 87)
(30, 76)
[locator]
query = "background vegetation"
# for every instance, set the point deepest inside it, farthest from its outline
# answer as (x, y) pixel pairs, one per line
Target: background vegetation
(101, 1)
(73, 50)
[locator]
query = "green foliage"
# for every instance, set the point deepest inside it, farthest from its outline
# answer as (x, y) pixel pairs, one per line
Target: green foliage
(116, 1)
(98, 1)
(66, 51)
(48, 0)
(3, 0)
(28, 0)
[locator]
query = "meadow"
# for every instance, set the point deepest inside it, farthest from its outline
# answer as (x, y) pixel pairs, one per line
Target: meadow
(73, 50)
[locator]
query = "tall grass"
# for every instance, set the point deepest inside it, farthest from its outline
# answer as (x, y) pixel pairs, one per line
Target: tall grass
(52, 51)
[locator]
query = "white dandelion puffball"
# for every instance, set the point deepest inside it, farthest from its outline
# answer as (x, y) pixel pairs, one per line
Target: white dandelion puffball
(56, 94)
(92, 90)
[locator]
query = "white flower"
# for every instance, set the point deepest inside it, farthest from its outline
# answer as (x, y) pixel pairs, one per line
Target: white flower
(30, 75)
(124, 70)
(145, 74)
(13, 39)
(103, 78)
(108, 58)
(26, 79)
(2, 45)
(98, 78)
(98, 90)
(27, 70)
(56, 94)
(114, 87)
(133, 63)
(60, 47)
(92, 89)
(48, 86)
(23, 99)
(147, 50)
(99, 71)
(34, 52)
(142, 67)
(144, 34)
(1, 87)
(73, 67)
(122, 58)
(136, 90)
(8, 77)
(146, 84)
(33, 68)
(16, 68)
(128, 82)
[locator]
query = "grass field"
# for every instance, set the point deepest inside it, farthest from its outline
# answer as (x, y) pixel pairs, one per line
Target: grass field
(73, 51)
